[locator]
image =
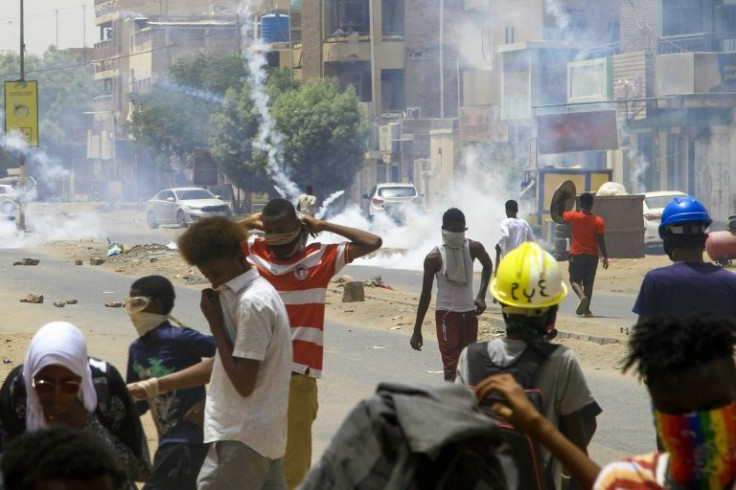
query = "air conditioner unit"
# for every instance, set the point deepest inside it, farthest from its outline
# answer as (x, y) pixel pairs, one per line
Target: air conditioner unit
(412, 113)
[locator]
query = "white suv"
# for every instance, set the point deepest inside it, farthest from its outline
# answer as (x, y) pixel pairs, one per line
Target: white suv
(392, 199)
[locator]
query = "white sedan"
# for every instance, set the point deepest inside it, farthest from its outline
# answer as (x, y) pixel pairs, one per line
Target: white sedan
(183, 205)
(654, 204)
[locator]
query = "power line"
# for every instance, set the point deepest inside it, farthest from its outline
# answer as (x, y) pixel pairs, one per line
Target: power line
(41, 15)
(81, 65)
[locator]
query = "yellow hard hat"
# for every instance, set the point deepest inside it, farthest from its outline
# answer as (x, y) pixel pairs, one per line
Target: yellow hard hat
(528, 277)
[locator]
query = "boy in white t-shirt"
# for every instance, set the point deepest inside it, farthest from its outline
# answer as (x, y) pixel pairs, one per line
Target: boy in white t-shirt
(514, 231)
(245, 410)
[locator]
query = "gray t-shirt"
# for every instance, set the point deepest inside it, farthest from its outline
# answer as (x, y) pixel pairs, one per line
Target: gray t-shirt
(560, 380)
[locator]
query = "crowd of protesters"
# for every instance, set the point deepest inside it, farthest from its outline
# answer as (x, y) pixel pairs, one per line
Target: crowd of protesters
(72, 420)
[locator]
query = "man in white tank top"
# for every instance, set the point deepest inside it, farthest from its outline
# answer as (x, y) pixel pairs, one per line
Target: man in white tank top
(456, 312)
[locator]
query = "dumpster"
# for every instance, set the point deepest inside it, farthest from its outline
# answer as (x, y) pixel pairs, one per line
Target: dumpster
(624, 217)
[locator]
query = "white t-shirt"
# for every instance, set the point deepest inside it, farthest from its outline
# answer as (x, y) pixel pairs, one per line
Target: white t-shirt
(257, 323)
(514, 232)
(307, 204)
(560, 380)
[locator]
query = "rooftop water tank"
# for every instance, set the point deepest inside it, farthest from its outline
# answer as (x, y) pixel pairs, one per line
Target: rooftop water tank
(275, 28)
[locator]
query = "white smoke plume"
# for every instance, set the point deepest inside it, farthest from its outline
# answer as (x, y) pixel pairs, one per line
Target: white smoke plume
(269, 139)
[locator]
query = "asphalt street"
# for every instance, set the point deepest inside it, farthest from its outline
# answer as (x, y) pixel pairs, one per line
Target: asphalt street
(357, 359)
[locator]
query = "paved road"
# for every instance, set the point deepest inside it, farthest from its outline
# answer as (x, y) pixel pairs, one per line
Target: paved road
(606, 305)
(357, 359)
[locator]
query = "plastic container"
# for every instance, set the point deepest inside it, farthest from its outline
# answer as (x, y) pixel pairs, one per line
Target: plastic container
(721, 246)
(275, 28)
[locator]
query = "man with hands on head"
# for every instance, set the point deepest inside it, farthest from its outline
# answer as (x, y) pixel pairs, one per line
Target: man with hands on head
(301, 274)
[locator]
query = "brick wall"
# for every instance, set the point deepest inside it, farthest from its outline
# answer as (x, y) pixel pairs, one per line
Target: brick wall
(422, 76)
(639, 26)
(311, 24)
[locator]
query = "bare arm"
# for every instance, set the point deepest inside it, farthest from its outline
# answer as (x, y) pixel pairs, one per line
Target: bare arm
(241, 372)
(362, 242)
(252, 222)
(431, 266)
(525, 417)
(602, 246)
(478, 251)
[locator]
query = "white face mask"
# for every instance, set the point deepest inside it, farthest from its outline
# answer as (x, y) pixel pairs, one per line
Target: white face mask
(145, 322)
(453, 239)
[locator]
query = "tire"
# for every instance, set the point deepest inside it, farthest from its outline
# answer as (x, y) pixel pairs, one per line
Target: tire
(563, 231)
(152, 221)
(181, 219)
(7, 208)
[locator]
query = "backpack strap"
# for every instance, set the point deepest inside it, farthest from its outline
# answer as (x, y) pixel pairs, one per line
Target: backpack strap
(524, 368)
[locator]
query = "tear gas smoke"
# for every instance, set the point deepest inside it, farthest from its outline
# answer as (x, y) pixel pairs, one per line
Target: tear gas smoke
(167, 84)
(326, 204)
(269, 140)
(480, 193)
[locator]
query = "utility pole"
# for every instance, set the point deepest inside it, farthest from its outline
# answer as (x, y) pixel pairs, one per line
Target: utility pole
(22, 164)
(84, 32)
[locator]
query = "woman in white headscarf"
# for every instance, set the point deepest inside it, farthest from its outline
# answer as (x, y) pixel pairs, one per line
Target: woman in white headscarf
(60, 385)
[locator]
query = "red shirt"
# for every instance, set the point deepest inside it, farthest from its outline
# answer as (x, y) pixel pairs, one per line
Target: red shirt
(302, 282)
(585, 230)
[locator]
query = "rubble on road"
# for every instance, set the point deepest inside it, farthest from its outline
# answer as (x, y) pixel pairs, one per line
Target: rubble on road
(96, 261)
(114, 304)
(35, 298)
(27, 261)
(60, 304)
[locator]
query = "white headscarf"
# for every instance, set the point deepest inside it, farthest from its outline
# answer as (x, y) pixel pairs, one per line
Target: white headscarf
(63, 344)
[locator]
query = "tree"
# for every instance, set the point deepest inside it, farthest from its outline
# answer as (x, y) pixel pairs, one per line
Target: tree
(66, 90)
(324, 134)
(174, 118)
(231, 142)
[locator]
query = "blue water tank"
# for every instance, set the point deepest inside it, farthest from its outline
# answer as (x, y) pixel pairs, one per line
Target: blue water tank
(275, 28)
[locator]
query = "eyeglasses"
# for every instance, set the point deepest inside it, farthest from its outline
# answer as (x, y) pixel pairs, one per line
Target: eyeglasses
(47, 387)
(137, 303)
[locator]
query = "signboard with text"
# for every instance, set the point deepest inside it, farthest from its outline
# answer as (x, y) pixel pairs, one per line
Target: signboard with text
(21, 109)
(580, 131)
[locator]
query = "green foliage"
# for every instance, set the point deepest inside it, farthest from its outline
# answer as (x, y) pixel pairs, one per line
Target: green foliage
(231, 142)
(174, 118)
(324, 133)
(66, 90)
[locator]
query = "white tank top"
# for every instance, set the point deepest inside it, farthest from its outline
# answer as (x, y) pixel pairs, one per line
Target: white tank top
(452, 296)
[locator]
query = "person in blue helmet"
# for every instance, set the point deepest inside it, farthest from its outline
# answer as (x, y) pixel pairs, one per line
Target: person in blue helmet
(690, 286)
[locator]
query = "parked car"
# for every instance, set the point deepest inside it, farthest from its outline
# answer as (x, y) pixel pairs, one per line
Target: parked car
(183, 205)
(8, 200)
(654, 203)
(392, 200)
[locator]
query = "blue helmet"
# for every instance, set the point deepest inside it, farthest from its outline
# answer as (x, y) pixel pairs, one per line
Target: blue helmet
(682, 210)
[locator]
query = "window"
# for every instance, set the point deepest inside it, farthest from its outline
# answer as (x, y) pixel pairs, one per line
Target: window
(352, 16)
(392, 17)
(682, 17)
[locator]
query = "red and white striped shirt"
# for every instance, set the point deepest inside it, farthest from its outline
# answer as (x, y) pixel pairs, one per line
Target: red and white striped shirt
(302, 282)
(645, 472)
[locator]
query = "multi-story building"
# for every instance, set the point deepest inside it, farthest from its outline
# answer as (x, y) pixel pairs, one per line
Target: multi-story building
(399, 57)
(686, 139)
(139, 41)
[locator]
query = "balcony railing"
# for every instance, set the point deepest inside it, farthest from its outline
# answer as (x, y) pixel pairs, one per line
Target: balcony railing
(104, 50)
(689, 43)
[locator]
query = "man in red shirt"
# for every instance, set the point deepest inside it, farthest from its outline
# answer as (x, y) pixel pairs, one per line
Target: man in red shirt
(588, 232)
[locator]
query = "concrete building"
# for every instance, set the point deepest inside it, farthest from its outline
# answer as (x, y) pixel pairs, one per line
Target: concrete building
(398, 56)
(139, 41)
(686, 138)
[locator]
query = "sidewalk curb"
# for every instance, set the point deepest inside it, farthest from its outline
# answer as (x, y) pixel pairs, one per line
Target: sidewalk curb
(499, 324)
